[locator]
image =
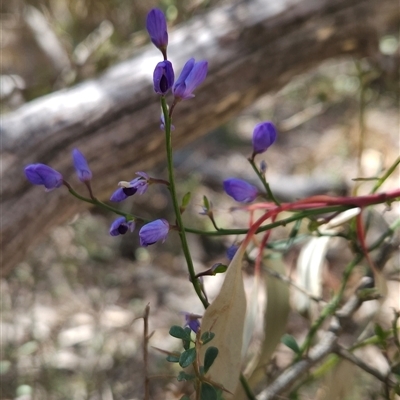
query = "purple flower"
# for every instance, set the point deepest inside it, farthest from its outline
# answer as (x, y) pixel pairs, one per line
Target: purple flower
(41, 174)
(138, 185)
(120, 226)
(163, 77)
(153, 232)
(156, 25)
(240, 190)
(82, 168)
(264, 135)
(230, 253)
(192, 321)
(192, 75)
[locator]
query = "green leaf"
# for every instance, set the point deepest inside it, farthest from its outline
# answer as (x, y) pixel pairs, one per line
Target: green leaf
(179, 332)
(290, 341)
(209, 357)
(207, 337)
(219, 268)
(185, 398)
(208, 392)
(183, 376)
(187, 357)
(382, 335)
(206, 203)
(187, 341)
(186, 200)
(173, 359)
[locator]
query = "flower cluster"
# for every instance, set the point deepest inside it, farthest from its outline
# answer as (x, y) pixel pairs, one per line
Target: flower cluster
(264, 136)
(42, 174)
(193, 73)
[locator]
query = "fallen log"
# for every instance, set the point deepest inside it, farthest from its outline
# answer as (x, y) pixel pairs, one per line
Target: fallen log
(253, 47)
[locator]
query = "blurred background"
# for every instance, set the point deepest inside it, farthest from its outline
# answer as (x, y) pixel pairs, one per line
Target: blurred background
(71, 326)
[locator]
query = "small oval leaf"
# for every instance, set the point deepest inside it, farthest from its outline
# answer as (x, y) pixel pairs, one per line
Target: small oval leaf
(187, 357)
(208, 392)
(209, 357)
(290, 341)
(178, 332)
(207, 337)
(183, 376)
(186, 200)
(172, 358)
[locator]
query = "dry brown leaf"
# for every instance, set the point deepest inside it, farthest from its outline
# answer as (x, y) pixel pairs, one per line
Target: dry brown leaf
(275, 320)
(225, 317)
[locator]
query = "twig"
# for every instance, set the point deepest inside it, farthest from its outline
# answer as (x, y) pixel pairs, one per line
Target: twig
(146, 352)
(290, 282)
(386, 379)
(327, 345)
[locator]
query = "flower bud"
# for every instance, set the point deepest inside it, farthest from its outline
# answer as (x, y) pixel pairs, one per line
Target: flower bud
(156, 25)
(82, 168)
(153, 232)
(41, 174)
(264, 135)
(163, 77)
(240, 190)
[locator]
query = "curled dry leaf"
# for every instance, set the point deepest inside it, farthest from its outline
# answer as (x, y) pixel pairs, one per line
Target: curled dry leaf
(275, 320)
(225, 317)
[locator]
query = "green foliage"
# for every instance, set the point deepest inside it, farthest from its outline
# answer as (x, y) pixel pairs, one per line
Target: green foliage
(187, 357)
(207, 337)
(209, 358)
(178, 332)
(290, 341)
(219, 269)
(185, 201)
(173, 358)
(208, 392)
(183, 376)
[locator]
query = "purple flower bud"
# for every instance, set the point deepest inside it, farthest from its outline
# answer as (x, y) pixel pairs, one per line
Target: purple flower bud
(41, 174)
(230, 253)
(120, 226)
(153, 232)
(163, 77)
(240, 190)
(263, 167)
(82, 168)
(192, 321)
(138, 185)
(192, 75)
(156, 25)
(264, 135)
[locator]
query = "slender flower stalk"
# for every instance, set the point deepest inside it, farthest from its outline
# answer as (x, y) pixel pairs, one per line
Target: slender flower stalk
(261, 176)
(179, 222)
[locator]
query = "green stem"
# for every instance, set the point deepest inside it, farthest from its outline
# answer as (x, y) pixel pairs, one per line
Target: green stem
(97, 202)
(386, 175)
(246, 388)
(330, 308)
(174, 197)
(264, 182)
(282, 222)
